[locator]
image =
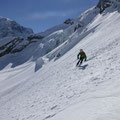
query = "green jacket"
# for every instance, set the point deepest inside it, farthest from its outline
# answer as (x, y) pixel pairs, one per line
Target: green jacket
(82, 55)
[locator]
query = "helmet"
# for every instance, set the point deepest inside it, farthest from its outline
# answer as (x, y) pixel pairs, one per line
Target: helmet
(81, 50)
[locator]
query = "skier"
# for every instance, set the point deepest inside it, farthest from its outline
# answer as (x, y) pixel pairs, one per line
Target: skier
(81, 56)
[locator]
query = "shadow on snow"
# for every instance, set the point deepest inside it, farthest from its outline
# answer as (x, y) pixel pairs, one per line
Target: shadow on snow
(83, 67)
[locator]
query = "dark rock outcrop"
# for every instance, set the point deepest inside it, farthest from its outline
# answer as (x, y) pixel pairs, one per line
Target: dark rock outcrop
(14, 46)
(69, 21)
(35, 36)
(103, 4)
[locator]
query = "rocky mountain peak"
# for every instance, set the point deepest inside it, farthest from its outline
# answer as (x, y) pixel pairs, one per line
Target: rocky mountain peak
(103, 4)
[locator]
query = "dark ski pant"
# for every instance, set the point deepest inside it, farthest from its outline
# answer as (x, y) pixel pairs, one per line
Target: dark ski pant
(80, 61)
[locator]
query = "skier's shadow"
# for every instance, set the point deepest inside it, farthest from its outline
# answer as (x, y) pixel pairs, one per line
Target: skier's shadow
(83, 67)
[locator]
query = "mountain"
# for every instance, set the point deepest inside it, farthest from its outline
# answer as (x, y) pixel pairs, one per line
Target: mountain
(43, 42)
(9, 28)
(42, 82)
(103, 4)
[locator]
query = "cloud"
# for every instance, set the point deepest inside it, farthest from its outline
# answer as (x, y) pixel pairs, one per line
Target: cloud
(48, 14)
(44, 15)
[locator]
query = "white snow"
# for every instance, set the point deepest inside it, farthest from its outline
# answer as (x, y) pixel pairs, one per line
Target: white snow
(57, 89)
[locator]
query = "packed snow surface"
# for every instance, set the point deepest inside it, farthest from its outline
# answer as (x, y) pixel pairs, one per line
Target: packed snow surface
(58, 90)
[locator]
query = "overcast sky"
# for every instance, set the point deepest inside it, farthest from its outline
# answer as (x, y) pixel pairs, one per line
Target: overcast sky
(43, 14)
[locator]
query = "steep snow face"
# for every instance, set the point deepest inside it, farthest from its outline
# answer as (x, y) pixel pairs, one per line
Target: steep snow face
(58, 90)
(71, 33)
(9, 28)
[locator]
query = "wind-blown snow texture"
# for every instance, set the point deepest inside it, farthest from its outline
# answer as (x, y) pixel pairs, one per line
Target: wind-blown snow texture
(39, 86)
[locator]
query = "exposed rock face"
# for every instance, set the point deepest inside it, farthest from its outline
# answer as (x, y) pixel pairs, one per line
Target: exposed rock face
(103, 4)
(15, 45)
(35, 36)
(69, 21)
(9, 28)
(18, 44)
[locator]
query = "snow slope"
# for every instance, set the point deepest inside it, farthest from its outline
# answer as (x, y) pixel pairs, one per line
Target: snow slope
(60, 90)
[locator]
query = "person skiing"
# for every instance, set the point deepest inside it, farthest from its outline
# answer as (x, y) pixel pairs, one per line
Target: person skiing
(81, 56)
